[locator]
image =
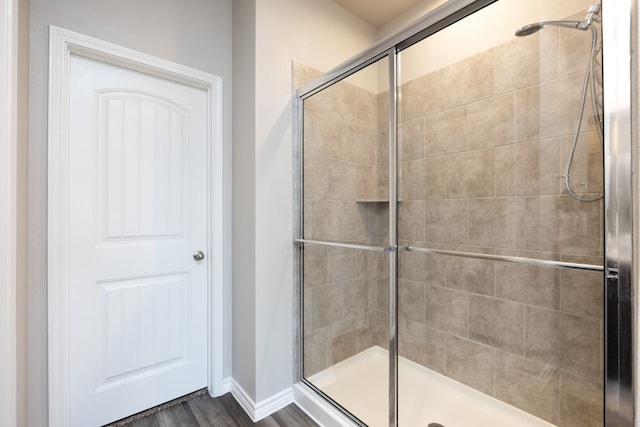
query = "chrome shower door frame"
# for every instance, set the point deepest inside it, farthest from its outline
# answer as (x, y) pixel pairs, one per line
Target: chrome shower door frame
(619, 275)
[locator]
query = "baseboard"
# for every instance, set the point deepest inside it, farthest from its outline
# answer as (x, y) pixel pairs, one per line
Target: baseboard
(226, 385)
(264, 408)
(322, 412)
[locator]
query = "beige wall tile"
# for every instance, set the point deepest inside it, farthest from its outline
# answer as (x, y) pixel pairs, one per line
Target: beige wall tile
(366, 331)
(423, 96)
(530, 386)
(326, 305)
(315, 177)
(341, 264)
(382, 111)
(366, 108)
(569, 342)
(586, 169)
(539, 286)
(366, 182)
(574, 49)
(411, 140)
(582, 292)
(323, 220)
(446, 310)
(497, 323)
(323, 135)
(315, 265)
(491, 122)
(411, 221)
(424, 180)
(342, 180)
(421, 344)
(411, 300)
(539, 167)
(446, 221)
(526, 61)
(445, 132)
(315, 352)
(353, 222)
(470, 363)
(471, 275)
(496, 222)
(356, 298)
(580, 402)
(359, 144)
(506, 170)
(561, 224)
(341, 339)
(425, 268)
(549, 109)
(470, 174)
(469, 80)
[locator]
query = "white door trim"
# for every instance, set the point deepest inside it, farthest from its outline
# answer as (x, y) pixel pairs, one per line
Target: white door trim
(63, 44)
(8, 177)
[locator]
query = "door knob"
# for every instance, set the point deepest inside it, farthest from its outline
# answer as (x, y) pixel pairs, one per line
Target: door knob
(198, 255)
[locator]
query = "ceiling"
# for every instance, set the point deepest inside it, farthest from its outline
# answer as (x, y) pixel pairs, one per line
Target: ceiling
(376, 12)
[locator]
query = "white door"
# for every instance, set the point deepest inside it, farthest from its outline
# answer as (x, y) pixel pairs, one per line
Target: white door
(138, 213)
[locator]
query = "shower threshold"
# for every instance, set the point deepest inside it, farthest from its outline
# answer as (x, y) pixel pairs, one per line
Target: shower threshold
(425, 397)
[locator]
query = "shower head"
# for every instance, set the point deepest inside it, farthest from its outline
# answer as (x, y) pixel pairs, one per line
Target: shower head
(527, 30)
(593, 14)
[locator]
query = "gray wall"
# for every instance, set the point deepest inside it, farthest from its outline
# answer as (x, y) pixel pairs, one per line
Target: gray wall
(244, 189)
(196, 33)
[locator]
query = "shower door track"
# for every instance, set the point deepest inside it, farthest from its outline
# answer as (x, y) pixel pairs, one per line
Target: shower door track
(490, 257)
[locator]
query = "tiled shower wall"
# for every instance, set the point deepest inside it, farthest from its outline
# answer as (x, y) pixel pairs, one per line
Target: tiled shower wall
(483, 146)
(482, 150)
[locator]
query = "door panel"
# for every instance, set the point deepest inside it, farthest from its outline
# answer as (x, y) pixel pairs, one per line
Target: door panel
(137, 208)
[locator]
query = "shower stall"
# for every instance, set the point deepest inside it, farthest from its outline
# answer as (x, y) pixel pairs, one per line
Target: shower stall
(464, 221)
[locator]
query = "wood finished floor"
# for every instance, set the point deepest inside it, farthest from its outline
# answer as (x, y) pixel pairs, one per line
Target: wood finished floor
(223, 411)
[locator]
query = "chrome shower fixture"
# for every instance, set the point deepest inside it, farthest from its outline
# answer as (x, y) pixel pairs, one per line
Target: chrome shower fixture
(592, 83)
(593, 14)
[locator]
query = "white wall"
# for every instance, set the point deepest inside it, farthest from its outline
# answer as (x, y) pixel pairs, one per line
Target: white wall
(14, 92)
(195, 33)
(320, 34)
(8, 175)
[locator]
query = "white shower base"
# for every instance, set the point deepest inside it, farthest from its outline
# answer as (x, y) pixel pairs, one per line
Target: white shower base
(360, 385)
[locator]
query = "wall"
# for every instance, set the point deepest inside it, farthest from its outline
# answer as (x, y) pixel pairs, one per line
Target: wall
(195, 33)
(14, 92)
(320, 34)
(244, 251)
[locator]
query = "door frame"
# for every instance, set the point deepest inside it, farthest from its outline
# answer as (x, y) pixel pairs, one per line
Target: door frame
(62, 44)
(8, 206)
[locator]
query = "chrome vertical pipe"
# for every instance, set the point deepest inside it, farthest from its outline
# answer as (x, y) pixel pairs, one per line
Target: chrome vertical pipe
(393, 237)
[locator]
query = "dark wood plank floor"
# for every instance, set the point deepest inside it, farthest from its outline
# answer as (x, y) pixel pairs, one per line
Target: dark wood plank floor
(223, 411)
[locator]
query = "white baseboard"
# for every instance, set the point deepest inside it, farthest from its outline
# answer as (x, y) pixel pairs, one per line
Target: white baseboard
(226, 385)
(264, 408)
(322, 412)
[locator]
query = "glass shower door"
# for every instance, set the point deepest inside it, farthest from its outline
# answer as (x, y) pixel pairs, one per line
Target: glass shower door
(500, 290)
(345, 268)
